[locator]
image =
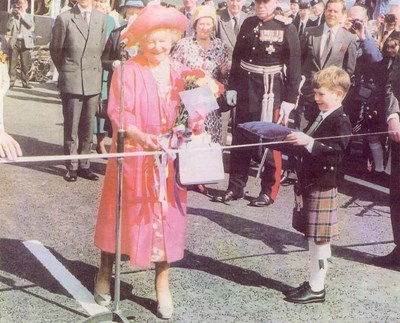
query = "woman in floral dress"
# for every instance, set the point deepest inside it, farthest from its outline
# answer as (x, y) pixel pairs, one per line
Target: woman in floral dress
(204, 51)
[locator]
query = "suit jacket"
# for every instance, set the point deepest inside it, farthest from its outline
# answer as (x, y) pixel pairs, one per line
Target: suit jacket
(27, 27)
(343, 54)
(296, 23)
(76, 49)
(393, 89)
(112, 52)
(225, 29)
(320, 167)
(314, 23)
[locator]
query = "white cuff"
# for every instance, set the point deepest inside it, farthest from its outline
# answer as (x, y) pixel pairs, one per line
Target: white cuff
(310, 145)
(393, 116)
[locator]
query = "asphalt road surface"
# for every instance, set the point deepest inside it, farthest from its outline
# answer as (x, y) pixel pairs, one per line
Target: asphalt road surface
(238, 259)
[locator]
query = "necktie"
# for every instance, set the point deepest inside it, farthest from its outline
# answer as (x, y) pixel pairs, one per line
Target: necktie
(236, 25)
(301, 29)
(315, 125)
(390, 63)
(327, 48)
(85, 17)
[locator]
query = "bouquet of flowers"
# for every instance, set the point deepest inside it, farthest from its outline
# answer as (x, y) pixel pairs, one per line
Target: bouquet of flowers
(203, 85)
(197, 78)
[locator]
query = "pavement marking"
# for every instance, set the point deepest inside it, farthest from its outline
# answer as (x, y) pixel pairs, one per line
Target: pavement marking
(64, 277)
(366, 184)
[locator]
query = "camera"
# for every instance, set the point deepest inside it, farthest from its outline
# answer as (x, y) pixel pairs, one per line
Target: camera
(390, 19)
(15, 8)
(356, 24)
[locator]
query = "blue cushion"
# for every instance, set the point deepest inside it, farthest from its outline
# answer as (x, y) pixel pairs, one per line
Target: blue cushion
(270, 132)
(266, 130)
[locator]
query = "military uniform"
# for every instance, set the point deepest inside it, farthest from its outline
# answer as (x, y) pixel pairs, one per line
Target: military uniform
(262, 50)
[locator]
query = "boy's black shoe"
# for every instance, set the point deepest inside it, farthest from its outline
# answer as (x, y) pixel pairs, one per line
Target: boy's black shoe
(306, 296)
(294, 290)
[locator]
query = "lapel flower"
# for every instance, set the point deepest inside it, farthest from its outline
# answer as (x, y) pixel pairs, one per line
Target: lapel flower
(342, 48)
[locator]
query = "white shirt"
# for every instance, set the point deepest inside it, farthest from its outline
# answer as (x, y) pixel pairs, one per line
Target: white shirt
(88, 12)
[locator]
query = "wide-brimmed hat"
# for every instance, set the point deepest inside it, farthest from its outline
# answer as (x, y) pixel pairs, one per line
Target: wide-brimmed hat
(205, 11)
(152, 17)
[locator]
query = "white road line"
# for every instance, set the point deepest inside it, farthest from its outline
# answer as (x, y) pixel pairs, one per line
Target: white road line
(64, 277)
(366, 184)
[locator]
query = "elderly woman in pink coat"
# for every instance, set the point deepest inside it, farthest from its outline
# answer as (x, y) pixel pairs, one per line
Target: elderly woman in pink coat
(152, 231)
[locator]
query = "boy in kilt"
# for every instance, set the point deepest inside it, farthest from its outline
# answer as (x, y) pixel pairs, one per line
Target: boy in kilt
(320, 149)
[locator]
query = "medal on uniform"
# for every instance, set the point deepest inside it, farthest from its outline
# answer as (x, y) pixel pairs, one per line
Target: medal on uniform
(271, 35)
(270, 49)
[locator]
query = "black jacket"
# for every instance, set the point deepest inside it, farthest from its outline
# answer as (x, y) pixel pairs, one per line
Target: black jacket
(320, 167)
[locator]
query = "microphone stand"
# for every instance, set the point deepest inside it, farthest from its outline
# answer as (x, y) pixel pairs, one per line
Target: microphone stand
(116, 315)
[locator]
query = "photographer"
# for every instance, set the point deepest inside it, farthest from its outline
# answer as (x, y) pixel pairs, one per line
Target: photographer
(20, 25)
(367, 50)
(390, 25)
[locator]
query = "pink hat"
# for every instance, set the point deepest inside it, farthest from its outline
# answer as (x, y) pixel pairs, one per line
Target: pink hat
(154, 16)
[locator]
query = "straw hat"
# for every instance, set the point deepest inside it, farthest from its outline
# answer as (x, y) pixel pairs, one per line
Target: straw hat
(152, 17)
(205, 11)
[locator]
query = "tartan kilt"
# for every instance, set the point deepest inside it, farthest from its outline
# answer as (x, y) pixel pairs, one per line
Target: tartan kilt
(317, 220)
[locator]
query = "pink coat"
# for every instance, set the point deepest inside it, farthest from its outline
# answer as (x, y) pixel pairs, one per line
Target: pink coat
(140, 200)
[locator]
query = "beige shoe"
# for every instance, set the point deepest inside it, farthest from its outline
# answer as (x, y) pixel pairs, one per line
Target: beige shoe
(165, 312)
(101, 299)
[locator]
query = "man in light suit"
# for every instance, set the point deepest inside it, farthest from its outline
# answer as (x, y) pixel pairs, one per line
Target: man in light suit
(20, 25)
(76, 46)
(226, 29)
(230, 20)
(188, 9)
(326, 45)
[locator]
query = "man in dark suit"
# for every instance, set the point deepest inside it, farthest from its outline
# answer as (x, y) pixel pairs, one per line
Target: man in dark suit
(20, 26)
(391, 26)
(294, 9)
(322, 46)
(393, 116)
(318, 8)
(303, 20)
(76, 46)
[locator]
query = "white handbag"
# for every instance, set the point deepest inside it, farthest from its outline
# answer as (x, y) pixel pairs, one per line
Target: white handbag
(200, 161)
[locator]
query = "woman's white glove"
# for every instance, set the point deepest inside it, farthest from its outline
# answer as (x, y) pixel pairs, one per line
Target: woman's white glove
(231, 97)
(284, 112)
